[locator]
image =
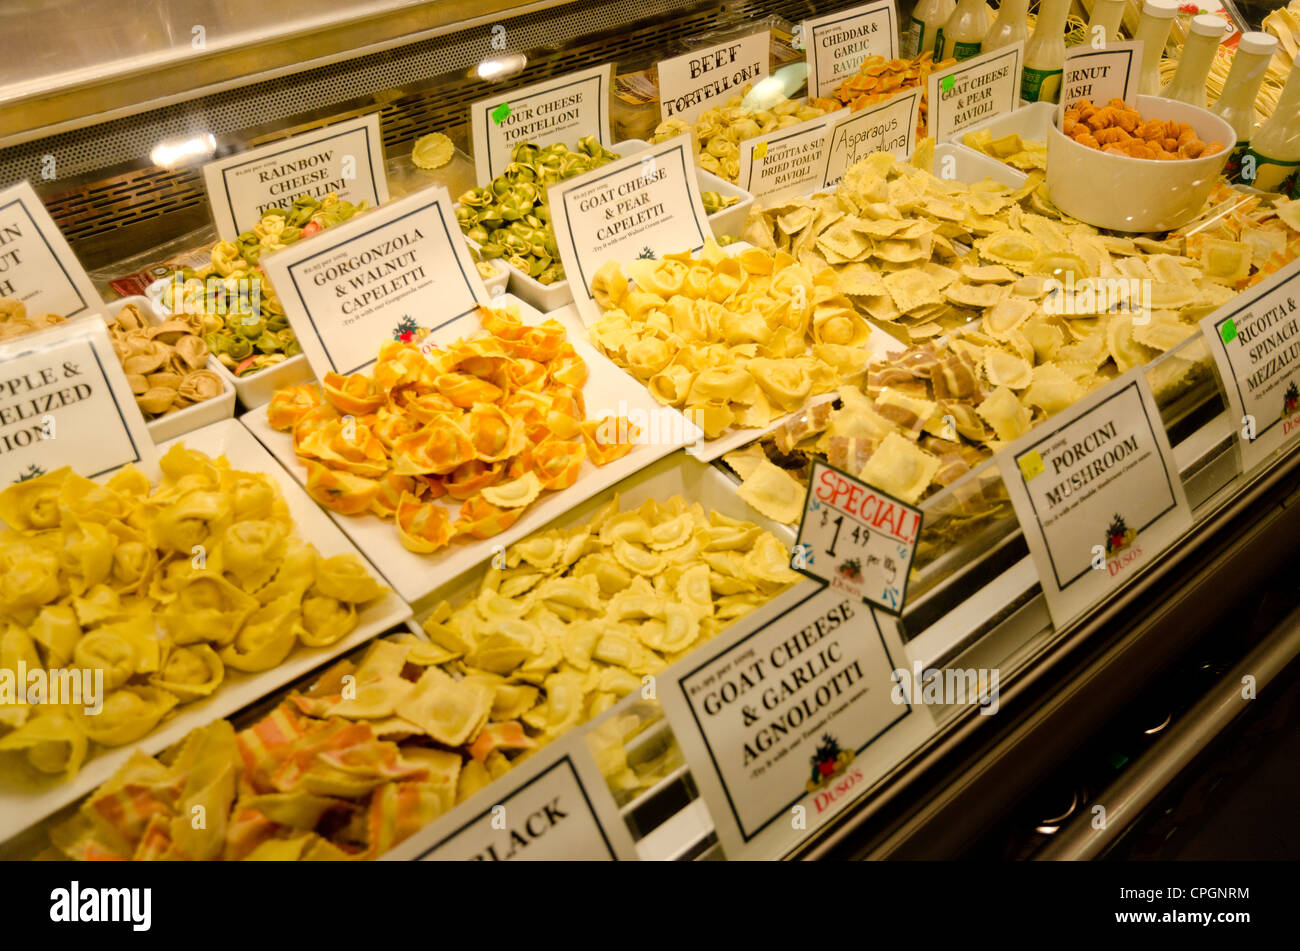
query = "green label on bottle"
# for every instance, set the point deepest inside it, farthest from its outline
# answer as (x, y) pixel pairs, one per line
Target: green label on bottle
(1269, 174)
(1040, 85)
(915, 37)
(965, 50)
(938, 44)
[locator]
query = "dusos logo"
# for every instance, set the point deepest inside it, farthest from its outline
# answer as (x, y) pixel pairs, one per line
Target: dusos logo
(75, 904)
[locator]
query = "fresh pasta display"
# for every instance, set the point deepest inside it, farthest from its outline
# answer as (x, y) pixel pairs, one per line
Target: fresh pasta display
(155, 591)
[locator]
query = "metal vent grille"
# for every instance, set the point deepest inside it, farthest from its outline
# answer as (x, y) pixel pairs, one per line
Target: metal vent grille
(111, 203)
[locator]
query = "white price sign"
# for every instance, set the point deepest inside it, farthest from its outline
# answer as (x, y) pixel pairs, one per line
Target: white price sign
(346, 158)
(401, 267)
(974, 90)
(776, 715)
(553, 807)
(838, 43)
(1099, 75)
(1097, 494)
(64, 401)
(857, 538)
(695, 82)
(36, 265)
(564, 109)
(1255, 339)
(888, 126)
(784, 163)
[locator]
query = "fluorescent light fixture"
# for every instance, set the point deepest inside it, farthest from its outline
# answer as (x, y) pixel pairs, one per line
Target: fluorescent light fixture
(496, 68)
(179, 152)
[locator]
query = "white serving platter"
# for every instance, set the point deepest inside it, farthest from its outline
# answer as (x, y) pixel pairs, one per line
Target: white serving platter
(255, 389)
(192, 417)
(21, 808)
(608, 391)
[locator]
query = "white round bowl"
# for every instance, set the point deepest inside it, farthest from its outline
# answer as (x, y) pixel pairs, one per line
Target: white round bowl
(1132, 194)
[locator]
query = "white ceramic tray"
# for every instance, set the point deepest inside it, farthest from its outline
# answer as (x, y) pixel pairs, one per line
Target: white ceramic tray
(608, 391)
(255, 389)
(22, 808)
(1030, 122)
(729, 221)
(970, 166)
(192, 417)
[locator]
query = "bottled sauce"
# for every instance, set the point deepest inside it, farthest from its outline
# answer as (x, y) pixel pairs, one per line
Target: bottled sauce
(1107, 14)
(1188, 84)
(1153, 30)
(963, 34)
(1236, 105)
(1009, 26)
(1272, 160)
(927, 22)
(1045, 54)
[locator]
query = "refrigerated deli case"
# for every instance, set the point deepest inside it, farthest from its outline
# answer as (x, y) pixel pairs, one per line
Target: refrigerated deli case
(113, 137)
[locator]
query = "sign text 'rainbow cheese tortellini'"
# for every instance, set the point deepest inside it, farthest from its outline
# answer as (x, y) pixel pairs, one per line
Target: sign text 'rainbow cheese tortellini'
(346, 158)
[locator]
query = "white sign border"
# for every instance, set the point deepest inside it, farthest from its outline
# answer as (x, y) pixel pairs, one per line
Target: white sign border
(811, 26)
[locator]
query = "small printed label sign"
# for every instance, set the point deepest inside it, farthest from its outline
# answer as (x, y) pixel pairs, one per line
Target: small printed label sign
(1255, 339)
(1100, 75)
(554, 807)
(856, 538)
(563, 109)
(787, 162)
(1097, 494)
(395, 270)
(36, 265)
(642, 206)
(346, 158)
(888, 126)
(695, 82)
(974, 90)
(839, 42)
(788, 716)
(64, 401)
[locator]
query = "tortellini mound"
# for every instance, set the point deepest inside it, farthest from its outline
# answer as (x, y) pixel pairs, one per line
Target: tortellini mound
(455, 441)
(152, 591)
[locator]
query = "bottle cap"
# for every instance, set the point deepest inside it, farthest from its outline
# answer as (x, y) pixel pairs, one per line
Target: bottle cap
(1160, 9)
(1257, 43)
(1206, 24)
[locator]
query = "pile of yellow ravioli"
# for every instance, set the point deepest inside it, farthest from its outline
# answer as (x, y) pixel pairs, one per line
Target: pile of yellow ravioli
(156, 589)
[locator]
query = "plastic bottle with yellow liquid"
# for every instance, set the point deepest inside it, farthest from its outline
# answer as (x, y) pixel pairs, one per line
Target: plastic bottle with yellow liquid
(1271, 162)
(1045, 54)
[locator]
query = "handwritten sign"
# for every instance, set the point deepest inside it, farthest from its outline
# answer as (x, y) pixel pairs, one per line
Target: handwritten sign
(786, 162)
(346, 158)
(857, 538)
(1100, 75)
(1255, 339)
(1097, 494)
(554, 806)
(888, 126)
(397, 269)
(975, 89)
(839, 42)
(641, 206)
(776, 716)
(36, 265)
(694, 82)
(563, 109)
(65, 401)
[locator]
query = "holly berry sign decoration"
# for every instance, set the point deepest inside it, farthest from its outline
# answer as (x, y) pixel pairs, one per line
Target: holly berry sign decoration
(405, 330)
(1290, 400)
(828, 762)
(1118, 535)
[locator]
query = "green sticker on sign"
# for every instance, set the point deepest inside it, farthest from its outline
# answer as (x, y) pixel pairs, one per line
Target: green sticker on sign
(500, 112)
(946, 83)
(1228, 331)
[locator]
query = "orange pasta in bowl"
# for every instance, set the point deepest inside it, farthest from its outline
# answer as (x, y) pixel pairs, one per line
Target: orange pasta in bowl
(1117, 128)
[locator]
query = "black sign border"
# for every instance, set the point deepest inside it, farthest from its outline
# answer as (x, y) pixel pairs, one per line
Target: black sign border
(748, 837)
(886, 5)
(40, 232)
(1033, 447)
(602, 117)
(565, 760)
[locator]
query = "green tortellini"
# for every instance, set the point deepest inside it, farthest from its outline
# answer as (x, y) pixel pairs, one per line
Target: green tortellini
(510, 219)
